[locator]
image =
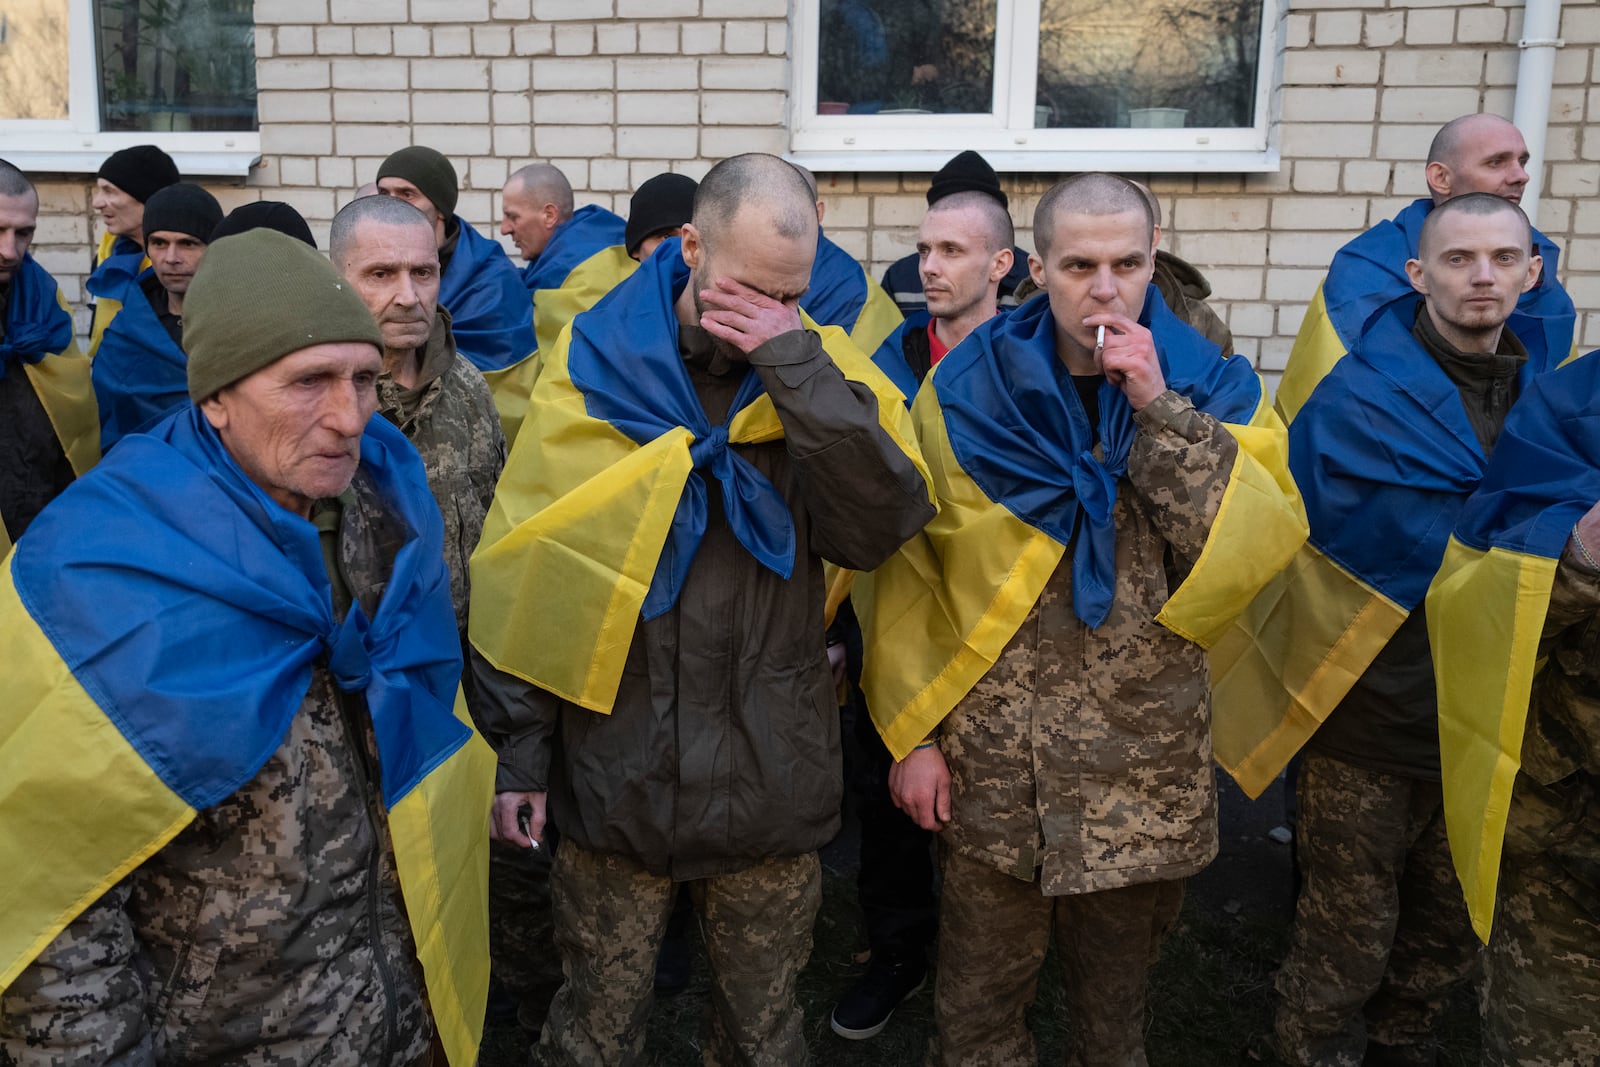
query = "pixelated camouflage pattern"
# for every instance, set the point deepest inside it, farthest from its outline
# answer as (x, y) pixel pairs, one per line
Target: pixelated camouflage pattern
(994, 931)
(611, 914)
(1381, 936)
(1085, 755)
(522, 947)
(271, 931)
(450, 418)
(1541, 997)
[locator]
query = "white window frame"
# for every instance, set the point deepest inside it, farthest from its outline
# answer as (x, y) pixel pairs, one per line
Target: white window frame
(1007, 137)
(77, 145)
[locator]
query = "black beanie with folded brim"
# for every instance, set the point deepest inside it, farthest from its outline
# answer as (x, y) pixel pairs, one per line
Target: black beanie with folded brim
(663, 203)
(968, 172)
(182, 208)
(139, 171)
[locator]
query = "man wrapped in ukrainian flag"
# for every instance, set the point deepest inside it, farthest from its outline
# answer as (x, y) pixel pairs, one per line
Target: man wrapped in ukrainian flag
(241, 819)
(1111, 491)
(1514, 618)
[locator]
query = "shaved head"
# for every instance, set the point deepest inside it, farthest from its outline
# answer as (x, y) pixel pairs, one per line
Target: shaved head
(1481, 205)
(540, 184)
(13, 182)
(761, 182)
(383, 210)
(1477, 154)
(1093, 194)
(996, 226)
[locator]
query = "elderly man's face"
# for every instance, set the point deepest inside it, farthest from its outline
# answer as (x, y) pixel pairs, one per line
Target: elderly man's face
(395, 271)
(123, 213)
(1492, 157)
(401, 189)
(529, 224)
(1096, 263)
(294, 426)
(19, 217)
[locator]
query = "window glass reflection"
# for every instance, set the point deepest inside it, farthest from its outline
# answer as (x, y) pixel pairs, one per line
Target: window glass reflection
(886, 56)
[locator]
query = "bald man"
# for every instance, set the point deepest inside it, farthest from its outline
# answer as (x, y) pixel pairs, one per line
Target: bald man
(1027, 657)
(1478, 153)
(537, 214)
(692, 454)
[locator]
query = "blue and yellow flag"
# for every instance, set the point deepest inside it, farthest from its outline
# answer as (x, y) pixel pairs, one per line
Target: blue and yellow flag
(890, 358)
(842, 295)
(153, 664)
(1487, 605)
(141, 375)
(39, 342)
(601, 507)
(580, 289)
(1016, 477)
(131, 258)
(1368, 275)
(590, 229)
(491, 320)
(1385, 456)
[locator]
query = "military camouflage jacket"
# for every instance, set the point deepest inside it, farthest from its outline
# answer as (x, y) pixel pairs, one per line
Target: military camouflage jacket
(1083, 757)
(270, 932)
(450, 417)
(1563, 733)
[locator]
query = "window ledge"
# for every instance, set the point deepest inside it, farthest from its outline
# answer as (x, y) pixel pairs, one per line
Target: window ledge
(1035, 161)
(228, 161)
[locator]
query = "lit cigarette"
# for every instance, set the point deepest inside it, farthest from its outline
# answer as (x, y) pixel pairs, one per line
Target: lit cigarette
(1100, 337)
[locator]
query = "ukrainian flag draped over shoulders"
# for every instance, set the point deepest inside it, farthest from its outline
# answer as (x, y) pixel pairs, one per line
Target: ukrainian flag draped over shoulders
(1385, 456)
(842, 295)
(105, 308)
(140, 373)
(584, 261)
(602, 504)
(491, 320)
(1487, 606)
(590, 229)
(154, 663)
(1016, 477)
(39, 343)
(1368, 275)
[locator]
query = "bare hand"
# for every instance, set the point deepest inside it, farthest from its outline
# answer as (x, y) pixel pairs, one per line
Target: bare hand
(745, 318)
(920, 786)
(513, 811)
(1129, 358)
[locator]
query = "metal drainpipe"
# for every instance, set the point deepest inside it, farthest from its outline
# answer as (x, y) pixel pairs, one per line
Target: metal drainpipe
(1541, 23)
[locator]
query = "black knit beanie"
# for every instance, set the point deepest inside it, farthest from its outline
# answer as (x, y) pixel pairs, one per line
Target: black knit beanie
(257, 297)
(665, 202)
(265, 215)
(182, 208)
(429, 171)
(139, 171)
(968, 172)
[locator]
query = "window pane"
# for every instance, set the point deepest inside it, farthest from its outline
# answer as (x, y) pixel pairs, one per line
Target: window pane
(934, 56)
(1148, 62)
(33, 59)
(176, 65)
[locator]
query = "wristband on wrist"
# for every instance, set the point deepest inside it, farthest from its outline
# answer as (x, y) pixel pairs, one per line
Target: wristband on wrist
(929, 743)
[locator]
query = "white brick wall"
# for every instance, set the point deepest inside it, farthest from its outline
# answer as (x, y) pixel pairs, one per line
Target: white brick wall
(614, 91)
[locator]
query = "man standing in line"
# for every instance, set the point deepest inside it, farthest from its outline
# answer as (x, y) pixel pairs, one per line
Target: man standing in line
(680, 717)
(124, 184)
(490, 316)
(1110, 491)
(1478, 153)
(1386, 450)
(48, 430)
(140, 370)
(235, 634)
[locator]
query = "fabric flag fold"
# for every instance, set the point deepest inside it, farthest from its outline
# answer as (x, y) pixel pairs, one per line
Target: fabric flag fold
(141, 375)
(491, 320)
(1487, 606)
(169, 703)
(1385, 457)
(842, 295)
(597, 517)
(1011, 452)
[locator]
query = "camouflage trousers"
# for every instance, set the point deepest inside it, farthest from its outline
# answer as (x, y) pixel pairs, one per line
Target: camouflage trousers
(994, 931)
(1541, 1000)
(610, 917)
(522, 947)
(1381, 934)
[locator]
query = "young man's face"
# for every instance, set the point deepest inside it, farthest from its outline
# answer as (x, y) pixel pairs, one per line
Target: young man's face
(1472, 270)
(959, 271)
(19, 217)
(1096, 263)
(175, 257)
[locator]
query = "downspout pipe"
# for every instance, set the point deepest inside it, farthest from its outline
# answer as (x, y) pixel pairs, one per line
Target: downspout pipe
(1541, 26)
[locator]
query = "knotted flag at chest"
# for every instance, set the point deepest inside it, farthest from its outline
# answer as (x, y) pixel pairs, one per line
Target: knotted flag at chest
(598, 515)
(1019, 477)
(1487, 607)
(155, 656)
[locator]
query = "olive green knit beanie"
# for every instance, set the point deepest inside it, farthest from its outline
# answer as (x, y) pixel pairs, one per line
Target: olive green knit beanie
(257, 297)
(429, 171)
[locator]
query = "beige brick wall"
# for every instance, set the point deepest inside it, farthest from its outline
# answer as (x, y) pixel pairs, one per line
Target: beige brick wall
(614, 91)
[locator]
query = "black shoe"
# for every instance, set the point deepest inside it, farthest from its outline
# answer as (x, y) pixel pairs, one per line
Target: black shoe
(865, 1008)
